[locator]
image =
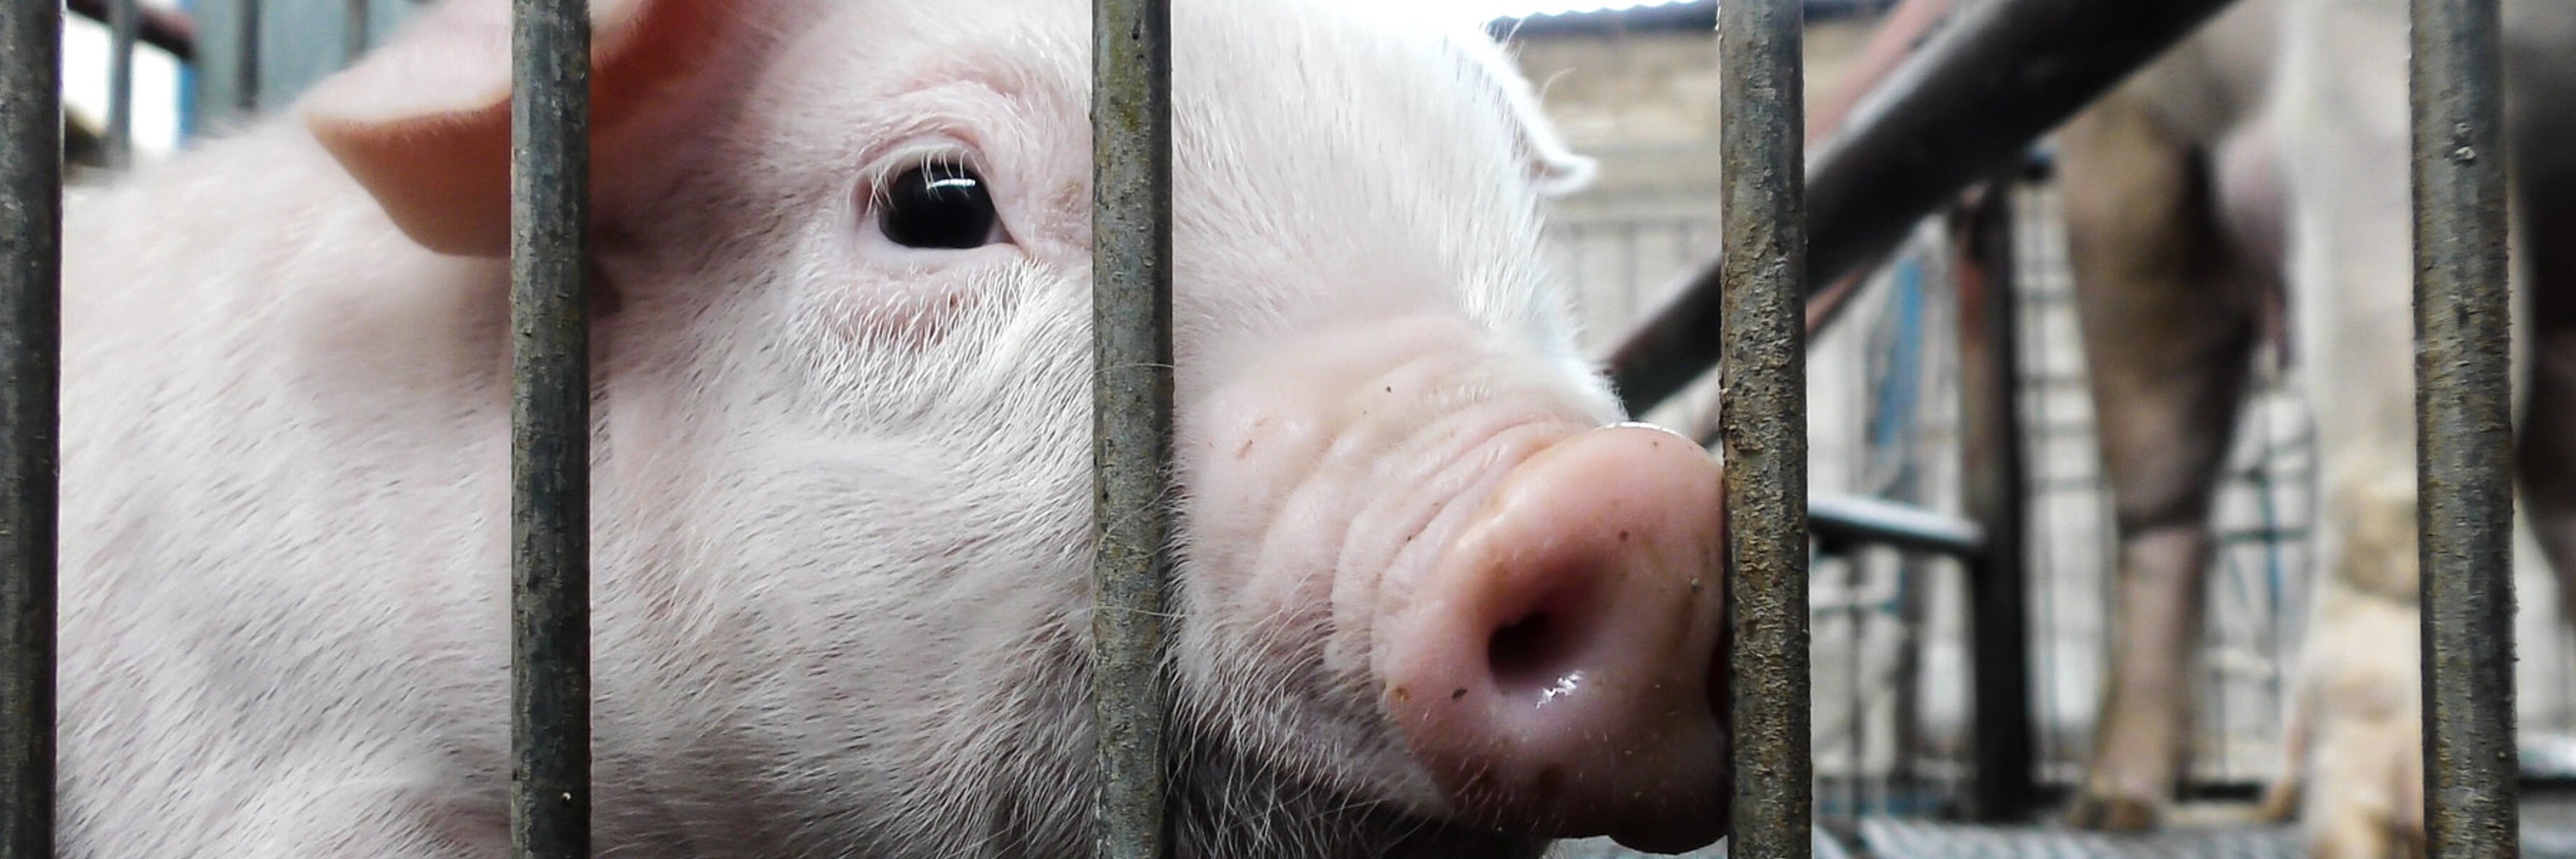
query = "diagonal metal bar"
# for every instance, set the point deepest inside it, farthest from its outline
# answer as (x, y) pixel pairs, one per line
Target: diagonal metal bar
(1960, 111)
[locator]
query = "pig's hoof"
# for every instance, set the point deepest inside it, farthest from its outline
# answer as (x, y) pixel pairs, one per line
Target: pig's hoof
(2115, 813)
(2367, 839)
(2280, 802)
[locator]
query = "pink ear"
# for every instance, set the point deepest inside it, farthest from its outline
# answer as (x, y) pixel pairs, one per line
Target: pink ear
(424, 123)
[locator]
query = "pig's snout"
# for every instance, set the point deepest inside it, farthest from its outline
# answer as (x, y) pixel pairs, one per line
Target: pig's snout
(1563, 667)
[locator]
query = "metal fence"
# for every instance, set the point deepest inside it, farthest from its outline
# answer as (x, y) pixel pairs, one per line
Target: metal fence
(1937, 129)
(1889, 632)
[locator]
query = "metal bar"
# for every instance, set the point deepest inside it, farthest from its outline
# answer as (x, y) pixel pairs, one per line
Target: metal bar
(121, 31)
(1905, 25)
(550, 430)
(354, 32)
(1957, 112)
(1993, 468)
(1853, 521)
(1696, 16)
(168, 30)
(246, 61)
(1762, 424)
(1131, 275)
(31, 163)
(2463, 440)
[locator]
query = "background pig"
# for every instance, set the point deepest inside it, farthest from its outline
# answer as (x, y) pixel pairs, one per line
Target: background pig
(2271, 153)
(1433, 604)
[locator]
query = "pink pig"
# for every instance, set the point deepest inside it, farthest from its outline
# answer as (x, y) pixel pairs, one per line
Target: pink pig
(1435, 599)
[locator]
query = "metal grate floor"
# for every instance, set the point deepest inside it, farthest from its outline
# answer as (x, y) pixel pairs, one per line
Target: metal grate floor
(1603, 848)
(2548, 832)
(1897, 838)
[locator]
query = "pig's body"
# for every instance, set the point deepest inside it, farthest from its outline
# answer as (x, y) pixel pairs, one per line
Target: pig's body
(842, 489)
(2267, 159)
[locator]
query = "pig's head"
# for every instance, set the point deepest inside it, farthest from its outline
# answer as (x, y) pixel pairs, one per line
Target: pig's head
(1429, 585)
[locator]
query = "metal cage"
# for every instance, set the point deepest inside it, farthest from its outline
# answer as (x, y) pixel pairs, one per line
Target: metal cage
(1796, 227)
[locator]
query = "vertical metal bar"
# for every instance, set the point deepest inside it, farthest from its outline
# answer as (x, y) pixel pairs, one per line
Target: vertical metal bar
(1131, 273)
(123, 25)
(1855, 721)
(1762, 422)
(1994, 469)
(31, 140)
(550, 431)
(354, 33)
(246, 61)
(2463, 445)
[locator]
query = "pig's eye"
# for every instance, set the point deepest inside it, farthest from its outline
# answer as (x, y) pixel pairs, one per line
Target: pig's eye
(938, 205)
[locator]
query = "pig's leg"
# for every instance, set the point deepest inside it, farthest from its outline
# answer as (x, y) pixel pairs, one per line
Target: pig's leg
(2168, 329)
(2363, 796)
(2342, 114)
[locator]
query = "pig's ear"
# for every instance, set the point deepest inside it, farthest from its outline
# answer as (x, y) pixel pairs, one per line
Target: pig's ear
(1553, 167)
(424, 123)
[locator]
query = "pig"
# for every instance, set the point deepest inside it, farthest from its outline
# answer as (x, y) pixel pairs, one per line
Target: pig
(1434, 596)
(2254, 184)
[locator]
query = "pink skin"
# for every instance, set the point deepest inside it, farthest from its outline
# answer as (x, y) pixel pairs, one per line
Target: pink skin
(1560, 661)
(842, 485)
(1545, 622)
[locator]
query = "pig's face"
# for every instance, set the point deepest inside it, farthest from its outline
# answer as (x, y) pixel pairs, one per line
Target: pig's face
(1423, 590)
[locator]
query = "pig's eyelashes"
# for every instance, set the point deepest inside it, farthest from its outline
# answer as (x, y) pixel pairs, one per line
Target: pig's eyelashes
(938, 205)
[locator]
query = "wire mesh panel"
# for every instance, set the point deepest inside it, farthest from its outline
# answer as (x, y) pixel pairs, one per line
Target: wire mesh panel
(2262, 519)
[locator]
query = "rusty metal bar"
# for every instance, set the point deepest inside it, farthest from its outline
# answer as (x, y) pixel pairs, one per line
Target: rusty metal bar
(1131, 273)
(550, 430)
(1762, 423)
(31, 238)
(122, 26)
(1959, 111)
(1993, 466)
(2463, 441)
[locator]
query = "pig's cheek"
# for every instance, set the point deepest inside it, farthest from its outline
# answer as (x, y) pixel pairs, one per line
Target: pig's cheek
(1262, 547)
(909, 312)
(1262, 652)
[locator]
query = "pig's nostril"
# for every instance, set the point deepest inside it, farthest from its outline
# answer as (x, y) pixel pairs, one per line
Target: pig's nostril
(1573, 634)
(1520, 650)
(1532, 655)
